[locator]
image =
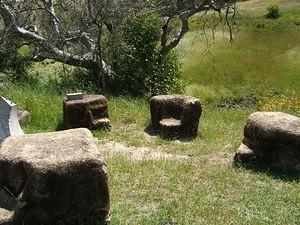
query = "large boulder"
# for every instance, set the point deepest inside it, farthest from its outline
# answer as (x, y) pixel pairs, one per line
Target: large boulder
(271, 138)
(58, 176)
(175, 115)
(5, 217)
(90, 111)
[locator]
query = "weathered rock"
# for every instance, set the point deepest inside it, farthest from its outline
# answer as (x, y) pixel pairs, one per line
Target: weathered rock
(90, 112)
(58, 176)
(170, 127)
(9, 125)
(185, 109)
(271, 138)
(74, 96)
(7, 205)
(7, 200)
(6, 217)
(23, 116)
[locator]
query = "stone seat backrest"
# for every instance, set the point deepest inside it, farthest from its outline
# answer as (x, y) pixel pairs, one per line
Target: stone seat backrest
(173, 109)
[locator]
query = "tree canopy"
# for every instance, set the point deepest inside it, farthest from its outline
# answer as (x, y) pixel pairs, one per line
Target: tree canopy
(71, 31)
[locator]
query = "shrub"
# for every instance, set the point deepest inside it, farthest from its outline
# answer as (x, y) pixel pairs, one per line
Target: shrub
(136, 59)
(273, 12)
(166, 78)
(74, 80)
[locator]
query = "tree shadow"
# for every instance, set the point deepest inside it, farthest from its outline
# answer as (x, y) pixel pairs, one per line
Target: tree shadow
(284, 174)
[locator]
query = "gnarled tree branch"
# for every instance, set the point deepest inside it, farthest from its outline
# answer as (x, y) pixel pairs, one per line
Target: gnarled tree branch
(46, 48)
(184, 12)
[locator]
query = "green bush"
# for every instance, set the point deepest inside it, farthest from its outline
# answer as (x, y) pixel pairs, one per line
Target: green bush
(74, 80)
(136, 59)
(14, 65)
(273, 12)
(167, 76)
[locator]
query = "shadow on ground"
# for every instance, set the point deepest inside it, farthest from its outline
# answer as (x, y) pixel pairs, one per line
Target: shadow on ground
(151, 132)
(284, 174)
(60, 126)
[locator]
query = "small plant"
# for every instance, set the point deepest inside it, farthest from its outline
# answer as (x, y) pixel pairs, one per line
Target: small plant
(273, 12)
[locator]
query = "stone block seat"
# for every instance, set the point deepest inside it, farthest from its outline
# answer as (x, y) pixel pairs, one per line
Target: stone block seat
(89, 111)
(57, 177)
(271, 139)
(175, 115)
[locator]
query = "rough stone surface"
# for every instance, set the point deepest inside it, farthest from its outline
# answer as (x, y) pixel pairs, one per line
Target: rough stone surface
(57, 176)
(186, 109)
(88, 112)
(6, 217)
(271, 138)
(23, 116)
(74, 96)
(7, 200)
(170, 127)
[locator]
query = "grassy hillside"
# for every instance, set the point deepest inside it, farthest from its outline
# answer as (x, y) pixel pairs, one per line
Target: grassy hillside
(265, 53)
(259, 70)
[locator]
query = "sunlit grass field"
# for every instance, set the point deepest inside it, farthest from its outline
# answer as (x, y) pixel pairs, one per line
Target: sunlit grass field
(209, 189)
(259, 70)
(263, 59)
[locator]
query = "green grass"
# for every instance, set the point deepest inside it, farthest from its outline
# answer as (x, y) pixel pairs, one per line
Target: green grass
(208, 191)
(264, 54)
(173, 193)
(261, 63)
(45, 106)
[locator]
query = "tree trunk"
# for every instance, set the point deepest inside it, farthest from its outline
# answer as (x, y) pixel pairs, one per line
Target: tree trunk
(101, 75)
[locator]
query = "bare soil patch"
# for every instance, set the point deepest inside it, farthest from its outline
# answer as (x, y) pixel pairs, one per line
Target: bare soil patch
(112, 148)
(140, 153)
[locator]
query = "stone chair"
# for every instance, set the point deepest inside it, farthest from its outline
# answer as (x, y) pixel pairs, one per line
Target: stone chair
(175, 115)
(88, 111)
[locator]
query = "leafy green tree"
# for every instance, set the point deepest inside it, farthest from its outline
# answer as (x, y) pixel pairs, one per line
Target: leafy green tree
(13, 64)
(76, 32)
